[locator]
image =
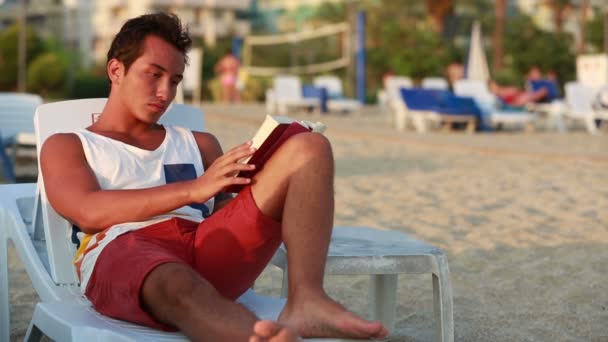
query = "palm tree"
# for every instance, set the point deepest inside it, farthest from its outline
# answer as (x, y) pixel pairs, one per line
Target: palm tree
(583, 26)
(438, 10)
(559, 9)
(499, 29)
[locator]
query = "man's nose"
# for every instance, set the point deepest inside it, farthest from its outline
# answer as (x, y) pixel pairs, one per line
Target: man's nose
(163, 92)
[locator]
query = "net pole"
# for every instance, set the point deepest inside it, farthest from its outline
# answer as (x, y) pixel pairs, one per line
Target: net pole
(361, 57)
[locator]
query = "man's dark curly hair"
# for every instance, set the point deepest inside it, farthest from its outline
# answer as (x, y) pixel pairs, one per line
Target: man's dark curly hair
(127, 45)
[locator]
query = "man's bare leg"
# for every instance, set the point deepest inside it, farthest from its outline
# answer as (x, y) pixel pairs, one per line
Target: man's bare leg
(296, 187)
(176, 295)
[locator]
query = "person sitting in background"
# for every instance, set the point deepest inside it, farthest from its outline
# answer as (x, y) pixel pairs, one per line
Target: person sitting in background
(516, 97)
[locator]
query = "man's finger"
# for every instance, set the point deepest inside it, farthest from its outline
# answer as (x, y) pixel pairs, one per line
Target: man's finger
(236, 155)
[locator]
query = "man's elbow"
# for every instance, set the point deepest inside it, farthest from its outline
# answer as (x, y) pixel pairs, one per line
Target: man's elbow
(90, 222)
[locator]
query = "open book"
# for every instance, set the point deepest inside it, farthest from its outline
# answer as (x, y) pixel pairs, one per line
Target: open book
(273, 132)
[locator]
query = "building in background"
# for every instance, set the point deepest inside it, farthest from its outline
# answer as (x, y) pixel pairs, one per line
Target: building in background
(90, 25)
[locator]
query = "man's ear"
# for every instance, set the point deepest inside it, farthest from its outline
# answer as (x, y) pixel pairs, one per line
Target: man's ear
(115, 71)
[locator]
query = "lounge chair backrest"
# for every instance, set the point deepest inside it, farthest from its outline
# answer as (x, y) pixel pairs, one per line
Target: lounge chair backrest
(580, 98)
(68, 116)
(287, 87)
(16, 113)
(423, 99)
(474, 88)
(468, 87)
(331, 83)
(435, 83)
(394, 85)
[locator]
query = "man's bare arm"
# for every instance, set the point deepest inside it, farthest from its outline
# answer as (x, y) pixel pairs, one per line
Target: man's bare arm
(210, 150)
(74, 192)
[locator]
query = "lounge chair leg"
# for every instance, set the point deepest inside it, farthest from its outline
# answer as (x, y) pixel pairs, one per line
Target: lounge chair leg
(442, 299)
(529, 127)
(590, 123)
(33, 333)
(383, 299)
(400, 120)
(471, 126)
(419, 123)
(5, 314)
(285, 285)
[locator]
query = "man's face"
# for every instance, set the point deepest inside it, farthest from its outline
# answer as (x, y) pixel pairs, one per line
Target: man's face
(150, 85)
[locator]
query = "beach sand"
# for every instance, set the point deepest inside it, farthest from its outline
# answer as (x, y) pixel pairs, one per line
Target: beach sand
(523, 218)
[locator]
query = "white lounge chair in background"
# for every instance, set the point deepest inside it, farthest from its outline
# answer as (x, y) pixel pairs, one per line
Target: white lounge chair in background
(580, 99)
(488, 103)
(336, 102)
(287, 93)
(434, 83)
(16, 126)
(40, 236)
(391, 99)
(391, 89)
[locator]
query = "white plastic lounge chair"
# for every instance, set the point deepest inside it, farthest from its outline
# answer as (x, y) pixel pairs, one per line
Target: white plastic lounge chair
(488, 104)
(40, 237)
(397, 106)
(384, 254)
(16, 126)
(27, 219)
(287, 93)
(336, 101)
(434, 83)
(394, 85)
(579, 101)
(390, 90)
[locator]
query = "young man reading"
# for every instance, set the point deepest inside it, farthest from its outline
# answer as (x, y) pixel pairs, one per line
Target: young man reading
(160, 243)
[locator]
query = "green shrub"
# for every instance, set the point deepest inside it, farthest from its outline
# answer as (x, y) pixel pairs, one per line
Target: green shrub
(47, 75)
(215, 89)
(255, 89)
(90, 85)
(9, 46)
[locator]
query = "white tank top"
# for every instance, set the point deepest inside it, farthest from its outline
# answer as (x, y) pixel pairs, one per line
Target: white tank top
(122, 166)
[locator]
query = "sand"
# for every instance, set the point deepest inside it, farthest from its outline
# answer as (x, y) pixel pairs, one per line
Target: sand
(523, 218)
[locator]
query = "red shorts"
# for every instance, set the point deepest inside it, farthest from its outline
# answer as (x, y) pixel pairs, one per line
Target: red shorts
(229, 249)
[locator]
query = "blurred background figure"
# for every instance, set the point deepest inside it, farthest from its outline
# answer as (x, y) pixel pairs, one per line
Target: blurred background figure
(516, 97)
(454, 72)
(227, 69)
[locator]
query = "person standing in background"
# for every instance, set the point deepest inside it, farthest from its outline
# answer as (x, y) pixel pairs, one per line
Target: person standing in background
(227, 69)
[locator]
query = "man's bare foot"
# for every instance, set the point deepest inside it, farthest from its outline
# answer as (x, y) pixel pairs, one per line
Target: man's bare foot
(271, 331)
(317, 315)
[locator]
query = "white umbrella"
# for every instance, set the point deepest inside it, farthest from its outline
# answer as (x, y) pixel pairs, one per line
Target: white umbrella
(477, 64)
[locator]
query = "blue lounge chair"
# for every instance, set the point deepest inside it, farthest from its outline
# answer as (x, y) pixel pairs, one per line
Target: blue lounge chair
(441, 106)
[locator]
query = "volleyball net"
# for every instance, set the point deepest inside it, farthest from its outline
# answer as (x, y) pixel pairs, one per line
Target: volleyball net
(312, 51)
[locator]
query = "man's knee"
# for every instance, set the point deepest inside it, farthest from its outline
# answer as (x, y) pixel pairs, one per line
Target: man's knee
(308, 146)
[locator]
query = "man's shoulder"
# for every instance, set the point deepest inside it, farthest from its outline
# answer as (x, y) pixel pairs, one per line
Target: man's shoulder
(60, 144)
(62, 139)
(207, 143)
